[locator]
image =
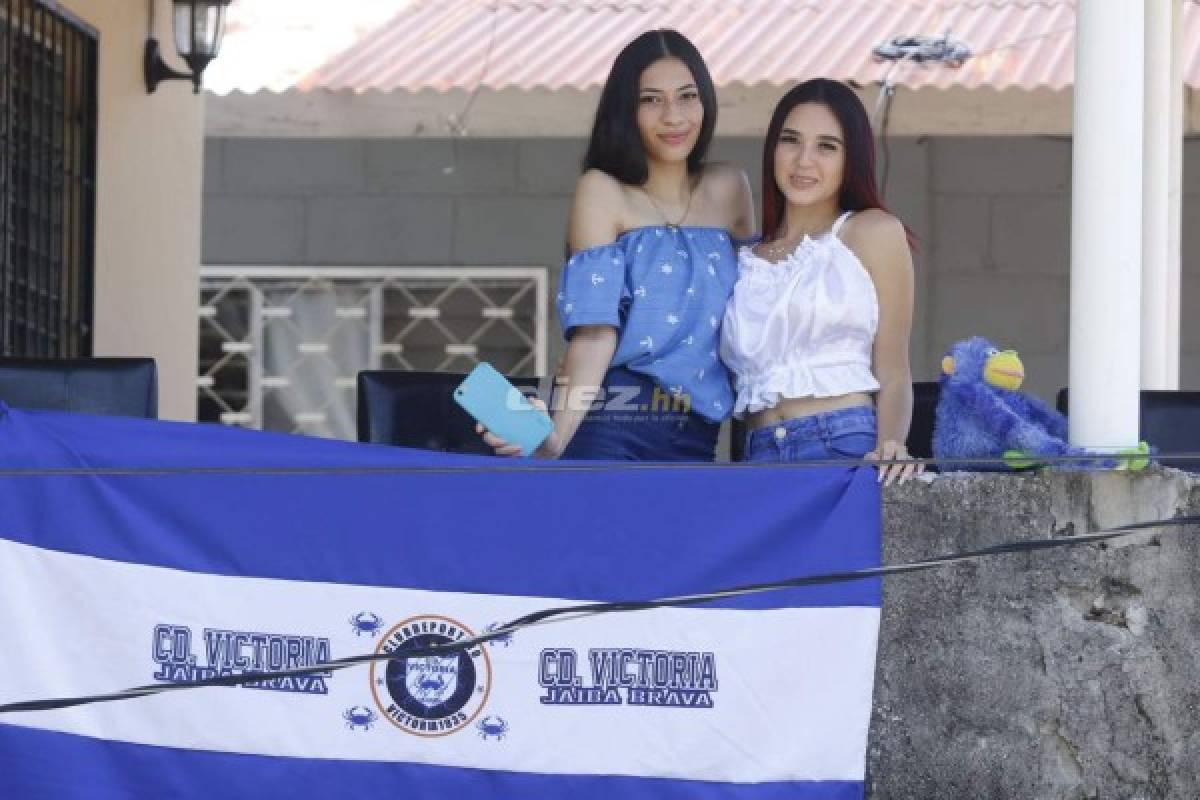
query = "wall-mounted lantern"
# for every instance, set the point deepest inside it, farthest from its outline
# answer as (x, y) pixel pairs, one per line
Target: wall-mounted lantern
(198, 26)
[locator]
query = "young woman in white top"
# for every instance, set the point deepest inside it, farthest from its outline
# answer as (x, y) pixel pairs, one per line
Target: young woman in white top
(816, 333)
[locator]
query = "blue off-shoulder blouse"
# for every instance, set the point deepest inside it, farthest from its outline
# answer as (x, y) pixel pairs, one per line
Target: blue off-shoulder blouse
(664, 289)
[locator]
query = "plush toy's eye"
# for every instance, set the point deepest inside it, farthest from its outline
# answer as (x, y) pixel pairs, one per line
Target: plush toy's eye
(991, 351)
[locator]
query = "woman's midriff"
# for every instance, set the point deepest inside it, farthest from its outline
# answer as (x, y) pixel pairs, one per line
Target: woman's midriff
(792, 407)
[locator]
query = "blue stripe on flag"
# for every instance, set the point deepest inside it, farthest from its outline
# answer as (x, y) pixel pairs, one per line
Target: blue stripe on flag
(595, 534)
(68, 767)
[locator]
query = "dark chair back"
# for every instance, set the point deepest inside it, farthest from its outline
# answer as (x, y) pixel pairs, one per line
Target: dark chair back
(920, 433)
(737, 440)
(1169, 420)
(126, 387)
(417, 409)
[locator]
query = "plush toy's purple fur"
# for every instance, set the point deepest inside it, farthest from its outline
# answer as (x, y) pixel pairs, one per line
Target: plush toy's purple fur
(975, 419)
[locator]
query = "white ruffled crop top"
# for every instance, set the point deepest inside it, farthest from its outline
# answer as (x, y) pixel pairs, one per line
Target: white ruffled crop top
(800, 327)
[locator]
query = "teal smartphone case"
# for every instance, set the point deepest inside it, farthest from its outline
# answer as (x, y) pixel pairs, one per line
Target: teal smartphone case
(487, 396)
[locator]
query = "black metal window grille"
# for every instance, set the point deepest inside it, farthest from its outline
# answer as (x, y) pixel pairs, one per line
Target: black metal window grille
(47, 180)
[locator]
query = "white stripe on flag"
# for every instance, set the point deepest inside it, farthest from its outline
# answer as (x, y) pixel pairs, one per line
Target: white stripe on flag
(791, 701)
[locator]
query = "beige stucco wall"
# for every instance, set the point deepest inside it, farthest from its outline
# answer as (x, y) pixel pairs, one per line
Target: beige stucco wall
(148, 200)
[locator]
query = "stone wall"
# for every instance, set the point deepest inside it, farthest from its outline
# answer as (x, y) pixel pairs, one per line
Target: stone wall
(1061, 674)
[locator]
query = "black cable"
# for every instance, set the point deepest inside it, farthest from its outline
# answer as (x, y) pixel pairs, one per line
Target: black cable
(534, 465)
(592, 609)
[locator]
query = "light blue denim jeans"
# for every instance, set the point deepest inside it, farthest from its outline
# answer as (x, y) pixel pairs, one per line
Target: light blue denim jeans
(846, 433)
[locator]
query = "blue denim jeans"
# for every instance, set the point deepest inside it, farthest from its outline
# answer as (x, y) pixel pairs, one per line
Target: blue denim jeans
(643, 427)
(845, 433)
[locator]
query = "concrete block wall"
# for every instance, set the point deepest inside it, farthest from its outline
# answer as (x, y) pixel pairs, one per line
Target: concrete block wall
(1000, 257)
(415, 202)
(999, 261)
(991, 215)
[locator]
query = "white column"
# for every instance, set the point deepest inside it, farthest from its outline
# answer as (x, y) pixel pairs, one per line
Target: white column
(1163, 184)
(1106, 223)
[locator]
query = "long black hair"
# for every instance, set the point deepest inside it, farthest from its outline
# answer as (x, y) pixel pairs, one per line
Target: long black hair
(616, 143)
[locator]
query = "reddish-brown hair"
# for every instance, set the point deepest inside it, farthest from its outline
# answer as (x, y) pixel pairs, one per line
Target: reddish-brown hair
(859, 190)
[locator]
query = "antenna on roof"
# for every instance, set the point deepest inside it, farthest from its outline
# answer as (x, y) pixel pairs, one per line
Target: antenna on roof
(924, 50)
(918, 49)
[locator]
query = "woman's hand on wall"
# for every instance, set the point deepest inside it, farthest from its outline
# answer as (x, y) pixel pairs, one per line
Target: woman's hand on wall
(891, 450)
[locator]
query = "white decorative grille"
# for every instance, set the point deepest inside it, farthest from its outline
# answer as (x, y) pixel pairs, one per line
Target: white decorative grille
(280, 346)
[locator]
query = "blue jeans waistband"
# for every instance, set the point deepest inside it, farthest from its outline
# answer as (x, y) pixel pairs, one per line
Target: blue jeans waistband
(848, 433)
(858, 419)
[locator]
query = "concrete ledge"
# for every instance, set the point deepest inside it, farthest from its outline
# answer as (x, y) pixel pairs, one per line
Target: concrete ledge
(1063, 674)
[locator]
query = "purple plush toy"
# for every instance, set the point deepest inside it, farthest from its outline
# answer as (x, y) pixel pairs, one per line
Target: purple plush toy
(980, 414)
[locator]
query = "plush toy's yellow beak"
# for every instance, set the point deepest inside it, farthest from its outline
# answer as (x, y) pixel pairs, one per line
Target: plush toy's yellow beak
(948, 365)
(1005, 370)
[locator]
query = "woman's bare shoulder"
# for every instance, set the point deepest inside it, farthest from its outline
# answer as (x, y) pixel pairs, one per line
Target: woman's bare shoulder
(596, 184)
(728, 189)
(875, 229)
(880, 241)
(597, 210)
(874, 222)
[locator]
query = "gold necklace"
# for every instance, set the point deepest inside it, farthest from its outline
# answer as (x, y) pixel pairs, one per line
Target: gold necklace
(686, 209)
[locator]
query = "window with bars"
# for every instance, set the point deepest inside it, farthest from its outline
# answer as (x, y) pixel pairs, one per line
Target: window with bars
(47, 180)
(280, 347)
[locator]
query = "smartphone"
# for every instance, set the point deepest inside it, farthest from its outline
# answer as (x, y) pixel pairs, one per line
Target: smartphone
(487, 396)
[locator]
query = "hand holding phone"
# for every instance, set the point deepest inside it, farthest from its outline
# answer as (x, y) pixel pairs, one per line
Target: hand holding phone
(500, 407)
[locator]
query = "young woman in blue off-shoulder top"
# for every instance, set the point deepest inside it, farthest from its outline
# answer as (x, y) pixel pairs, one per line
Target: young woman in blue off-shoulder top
(652, 266)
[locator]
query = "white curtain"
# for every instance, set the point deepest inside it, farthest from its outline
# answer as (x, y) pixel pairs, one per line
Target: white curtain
(311, 349)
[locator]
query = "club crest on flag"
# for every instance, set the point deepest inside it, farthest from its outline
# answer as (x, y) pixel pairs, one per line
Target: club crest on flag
(431, 695)
(431, 680)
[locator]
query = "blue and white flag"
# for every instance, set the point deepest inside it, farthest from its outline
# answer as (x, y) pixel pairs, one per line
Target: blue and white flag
(134, 552)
